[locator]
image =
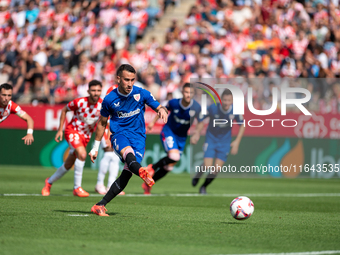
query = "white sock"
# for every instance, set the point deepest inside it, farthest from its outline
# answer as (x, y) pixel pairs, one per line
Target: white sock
(78, 173)
(58, 174)
(103, 166)
(113, 169)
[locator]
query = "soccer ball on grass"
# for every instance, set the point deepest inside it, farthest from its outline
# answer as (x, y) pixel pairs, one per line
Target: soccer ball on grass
(241, 208)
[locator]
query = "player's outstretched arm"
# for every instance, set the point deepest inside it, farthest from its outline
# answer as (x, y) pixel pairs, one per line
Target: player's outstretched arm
(196, 136)
(162, 113)
(236, 143)
(99, 135)
(28, 139)
(59, 136)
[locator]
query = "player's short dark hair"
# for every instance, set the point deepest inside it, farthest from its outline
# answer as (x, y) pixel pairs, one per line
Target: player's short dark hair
(6, 86)
(186, 85)
(125, 67)
(95, 83)
(226, 92)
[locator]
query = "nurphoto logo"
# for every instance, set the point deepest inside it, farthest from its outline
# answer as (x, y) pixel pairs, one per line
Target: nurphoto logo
(239, 104)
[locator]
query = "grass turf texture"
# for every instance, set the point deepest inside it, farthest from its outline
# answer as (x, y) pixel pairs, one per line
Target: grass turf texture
(165, 224)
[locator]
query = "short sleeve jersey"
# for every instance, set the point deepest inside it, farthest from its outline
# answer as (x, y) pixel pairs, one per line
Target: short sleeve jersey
(181, 117)
(221, 131)
(126, 112)
(85, 116)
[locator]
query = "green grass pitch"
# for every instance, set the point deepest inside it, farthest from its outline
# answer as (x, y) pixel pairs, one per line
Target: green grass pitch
(285, 218)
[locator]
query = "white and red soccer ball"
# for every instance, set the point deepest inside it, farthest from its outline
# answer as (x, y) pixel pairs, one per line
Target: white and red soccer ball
(241, 208)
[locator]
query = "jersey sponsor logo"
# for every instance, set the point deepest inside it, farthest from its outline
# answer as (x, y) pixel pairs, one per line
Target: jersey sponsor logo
(128, 114)
(116, 104)
(181, 121)
(136, 97)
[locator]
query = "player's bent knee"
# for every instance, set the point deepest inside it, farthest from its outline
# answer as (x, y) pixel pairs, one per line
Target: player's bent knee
(82, 156)
(127, 151)
(175, 156)
(169, 168)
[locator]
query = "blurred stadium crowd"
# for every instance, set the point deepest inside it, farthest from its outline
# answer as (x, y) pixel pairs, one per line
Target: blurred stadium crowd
(51, 49)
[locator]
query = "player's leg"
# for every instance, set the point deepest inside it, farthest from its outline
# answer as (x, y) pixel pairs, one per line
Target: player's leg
(78, 172)
(208, 159)
(207, 162)
(173, 148)
(116, 188)
(212, 175)
(173, 156)
(176, 145)
(132, 154)
(103, 167)
(221, 151)
(113, 170)
(61, 171)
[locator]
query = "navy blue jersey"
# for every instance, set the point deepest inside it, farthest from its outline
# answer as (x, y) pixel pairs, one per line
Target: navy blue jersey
(180, 116)
(127, 111)
(221, 131)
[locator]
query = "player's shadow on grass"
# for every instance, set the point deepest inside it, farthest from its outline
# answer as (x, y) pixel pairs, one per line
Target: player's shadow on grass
(82, 212)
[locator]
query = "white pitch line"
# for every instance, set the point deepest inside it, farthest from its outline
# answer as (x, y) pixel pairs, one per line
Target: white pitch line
(77, 215)
(193, 195)
(290, 253)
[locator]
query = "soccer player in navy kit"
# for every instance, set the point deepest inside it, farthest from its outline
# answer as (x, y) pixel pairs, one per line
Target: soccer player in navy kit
(174, 133)
(218, 139)
(126, 106)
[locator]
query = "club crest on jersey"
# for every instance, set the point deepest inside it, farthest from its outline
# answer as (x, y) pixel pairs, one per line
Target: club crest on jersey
(136, 97)
(231, 116)
(192, 113)
(117, 104)
(5, 113)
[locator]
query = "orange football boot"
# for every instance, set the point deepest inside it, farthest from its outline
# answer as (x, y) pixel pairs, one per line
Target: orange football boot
(100, 210)
(46, 189)
(146, 177)
(79, 192)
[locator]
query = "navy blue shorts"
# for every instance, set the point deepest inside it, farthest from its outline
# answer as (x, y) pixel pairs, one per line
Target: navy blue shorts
(121, 141)
(214, 148)
(171, 141)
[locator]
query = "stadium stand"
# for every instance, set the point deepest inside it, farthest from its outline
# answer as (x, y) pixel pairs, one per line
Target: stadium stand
(51, 49)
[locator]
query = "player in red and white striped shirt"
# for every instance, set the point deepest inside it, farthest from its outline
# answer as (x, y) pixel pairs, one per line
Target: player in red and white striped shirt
(77, 133)
(7, 107)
